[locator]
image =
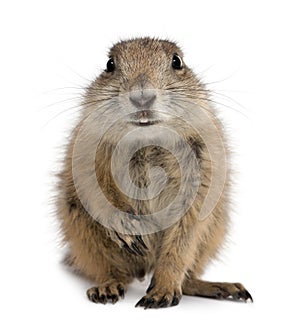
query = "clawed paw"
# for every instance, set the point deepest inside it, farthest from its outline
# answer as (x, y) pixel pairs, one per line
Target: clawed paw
(110, 292)
(159, 298)
(235, 291)
(133, 244)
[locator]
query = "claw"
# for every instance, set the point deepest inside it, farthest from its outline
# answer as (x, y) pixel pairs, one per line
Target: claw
(151, 286)
(141, 241)
(136, 249)
(163, 302)
(125, 246)
(248, 296)
(243, 296)
(140, 302)
(93, 295)
(114, 299)
(175, 301)
(121, 291)
(103, 299)
(149, 302)
(94, 298)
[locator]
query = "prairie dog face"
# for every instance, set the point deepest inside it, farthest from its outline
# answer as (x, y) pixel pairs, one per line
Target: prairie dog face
(143, 82)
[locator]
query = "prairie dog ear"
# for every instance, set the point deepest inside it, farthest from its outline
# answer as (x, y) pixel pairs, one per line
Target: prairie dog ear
(171, 48)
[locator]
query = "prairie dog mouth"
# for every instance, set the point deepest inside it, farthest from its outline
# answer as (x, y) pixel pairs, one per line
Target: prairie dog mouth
(144, 118)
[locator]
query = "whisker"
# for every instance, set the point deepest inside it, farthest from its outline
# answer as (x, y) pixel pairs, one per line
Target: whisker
(214, 93)
(65, 88)
(219, 81)
(81, 76)
(60, 102)
(76, 108)
(227, 106)
(209, 96)
(59, 114)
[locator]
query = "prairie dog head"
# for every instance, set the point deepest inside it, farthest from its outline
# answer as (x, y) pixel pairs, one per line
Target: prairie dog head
(144, 83)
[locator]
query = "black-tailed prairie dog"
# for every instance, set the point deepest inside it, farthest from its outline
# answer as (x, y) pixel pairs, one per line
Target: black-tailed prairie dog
(145, 180)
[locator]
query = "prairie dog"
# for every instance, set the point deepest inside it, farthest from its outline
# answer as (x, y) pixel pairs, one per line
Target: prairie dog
(144, 187)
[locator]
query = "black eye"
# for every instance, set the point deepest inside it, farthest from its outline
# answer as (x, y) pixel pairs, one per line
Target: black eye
(177, 62)
(110, 65)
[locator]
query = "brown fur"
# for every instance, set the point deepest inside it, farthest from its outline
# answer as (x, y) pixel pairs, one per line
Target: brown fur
(177, 256)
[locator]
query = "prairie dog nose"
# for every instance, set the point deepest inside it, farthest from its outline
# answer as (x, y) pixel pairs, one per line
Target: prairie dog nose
(143, 99)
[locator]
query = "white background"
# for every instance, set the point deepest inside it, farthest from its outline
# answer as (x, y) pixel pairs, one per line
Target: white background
(247, 50)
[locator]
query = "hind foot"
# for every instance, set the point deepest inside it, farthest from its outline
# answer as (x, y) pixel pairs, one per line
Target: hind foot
(235, 291)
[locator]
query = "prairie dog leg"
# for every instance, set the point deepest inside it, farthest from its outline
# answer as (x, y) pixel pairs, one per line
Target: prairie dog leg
(111, 287)
(176, 256)
(197, 287)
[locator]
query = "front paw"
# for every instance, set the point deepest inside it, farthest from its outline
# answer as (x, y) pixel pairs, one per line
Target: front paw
(133, 244)
(109, 291)
(160, 296)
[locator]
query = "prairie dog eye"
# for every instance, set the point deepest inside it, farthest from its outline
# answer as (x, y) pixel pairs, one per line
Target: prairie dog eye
(177, 62)
(110, 65)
